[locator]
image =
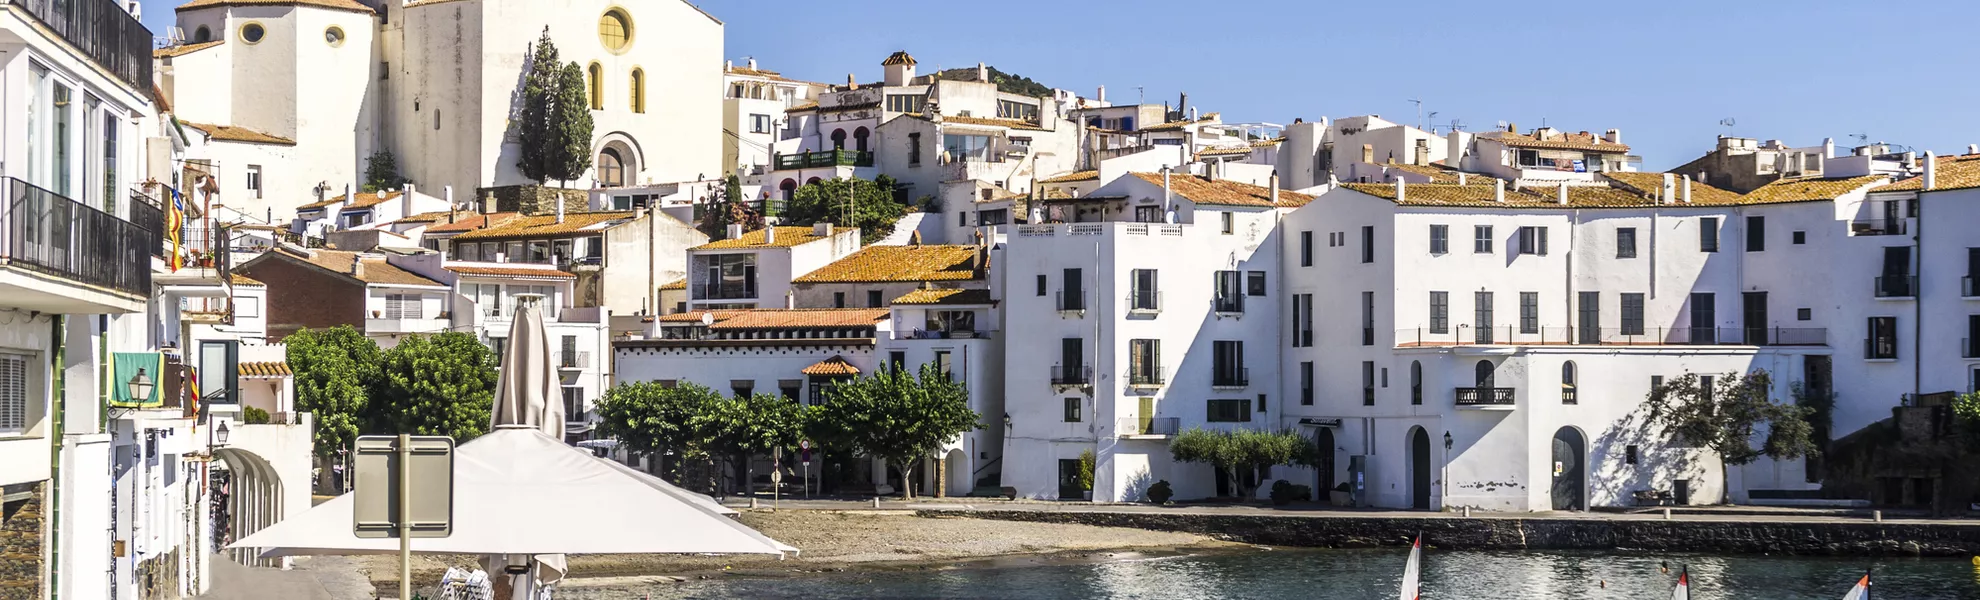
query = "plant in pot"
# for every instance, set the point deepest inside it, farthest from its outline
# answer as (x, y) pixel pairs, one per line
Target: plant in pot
(1339, 496)
(1086, 461)
(1160, 492)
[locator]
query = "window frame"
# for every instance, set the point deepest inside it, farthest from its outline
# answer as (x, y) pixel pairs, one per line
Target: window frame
(1481, 239)
(1708, 234)
(1440, 238)
(1218, 410)
(1625, 250)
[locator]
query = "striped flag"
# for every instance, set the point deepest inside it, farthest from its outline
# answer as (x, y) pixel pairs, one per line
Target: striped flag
(175, 221)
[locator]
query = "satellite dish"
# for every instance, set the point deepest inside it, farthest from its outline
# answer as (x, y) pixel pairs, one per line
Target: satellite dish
(707, 319)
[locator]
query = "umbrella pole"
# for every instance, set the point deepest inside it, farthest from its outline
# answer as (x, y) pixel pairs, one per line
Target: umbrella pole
(405, 525)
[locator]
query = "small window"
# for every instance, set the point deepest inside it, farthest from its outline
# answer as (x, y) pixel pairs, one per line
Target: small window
(1072, 410)
(334, 36)
(1416, 382)
(873, 299)
(615, 30)
(1481, 242)
(384, 70)
(1306, 383)
(1804, 314)
(1254, 283)
(759, 123)
(1041, 285)
(1568, 387)
(1800, 237)
(639, 90)
(1228, 411)
(597, 87)
(838, 299)
(1440, 239)
(1230, 222)
(1629, 454)
(1306, 248)
(1708, 234)
(1367, 383)
(1756, 234)
(1261, 403)
(1367, 244)
(202, 35)
(252, 33)
(1533, 240)
(1625, 242)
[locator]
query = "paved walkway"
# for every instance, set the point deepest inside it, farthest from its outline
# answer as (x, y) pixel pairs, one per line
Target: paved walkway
(316, 578)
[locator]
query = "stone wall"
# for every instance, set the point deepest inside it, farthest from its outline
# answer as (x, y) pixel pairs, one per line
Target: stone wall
(534, 199)
(21, 549)
(1848, 538)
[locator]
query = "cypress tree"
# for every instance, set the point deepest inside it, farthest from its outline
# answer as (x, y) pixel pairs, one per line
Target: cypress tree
(534, 121)
(570, 133)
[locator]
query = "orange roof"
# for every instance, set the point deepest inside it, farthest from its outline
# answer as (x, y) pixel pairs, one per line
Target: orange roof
(1088, 175)
(1560, 141)
(1439, 173)
(471, 222)
(350, 5)
(836, 365)
(945, 297)
(239, 279)
(376, 270)
(1955, 172)
(1806, 189)
(694, 316)
(899, 263)
(184, 49)
(1579, 196)
(1224, 192)
(547, 225)
(509, 271)
(1011, 123)
(1648, 185)
(265, 369)
(364, 200)
(801, 318)
(899, 57)
(678, 284)
(426, 217)
(229, 133)
(786, 237)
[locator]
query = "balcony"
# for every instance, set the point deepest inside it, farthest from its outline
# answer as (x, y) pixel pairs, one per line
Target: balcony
(1969, 287)
(1967, 349)
(1485, 397)
(396, 325)
(577, 360)
(1071, 302)
(1877, 227)
(826, 158)
(1229, 378)
(1144, 302)
(61, 256)
(1078, 375)
(1896, 286)
(103, 31)
(725, 291)
(1876, 348)
(1149, 427)
(1227, 305)
(943, 334)
(1618, 336)
(1147, 376)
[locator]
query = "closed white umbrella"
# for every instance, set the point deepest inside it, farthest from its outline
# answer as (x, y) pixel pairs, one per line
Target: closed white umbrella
(526, 391)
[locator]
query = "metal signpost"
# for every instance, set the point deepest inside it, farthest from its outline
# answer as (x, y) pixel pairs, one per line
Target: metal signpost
(405, 489)
(804, 454)
(776, 477)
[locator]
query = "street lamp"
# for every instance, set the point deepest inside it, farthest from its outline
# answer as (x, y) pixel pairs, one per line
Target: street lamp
(140, 387)
(220, 434)
(1447, 440)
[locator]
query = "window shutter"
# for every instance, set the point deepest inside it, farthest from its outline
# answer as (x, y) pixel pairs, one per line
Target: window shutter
(1543, 241)
(13, 392)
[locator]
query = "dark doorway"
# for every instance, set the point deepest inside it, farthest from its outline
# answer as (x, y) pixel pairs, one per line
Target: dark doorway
(1069, 488)
(1570, 479)
(1323, 440)
(1419, 467)
(1704, 318)
(1755, 316)
(1681, 492)
(1483, 373)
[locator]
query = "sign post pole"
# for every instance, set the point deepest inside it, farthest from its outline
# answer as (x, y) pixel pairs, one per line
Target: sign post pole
(405, 524)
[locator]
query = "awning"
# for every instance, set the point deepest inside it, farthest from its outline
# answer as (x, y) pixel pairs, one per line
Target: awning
(834, 366)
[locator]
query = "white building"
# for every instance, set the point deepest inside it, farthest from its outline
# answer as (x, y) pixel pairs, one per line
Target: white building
(753, 121)
(755, 269)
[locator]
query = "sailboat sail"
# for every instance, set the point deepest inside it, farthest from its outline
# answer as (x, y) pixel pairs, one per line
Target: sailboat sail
(1683, 589)
(1412, 585)
(1861, 591)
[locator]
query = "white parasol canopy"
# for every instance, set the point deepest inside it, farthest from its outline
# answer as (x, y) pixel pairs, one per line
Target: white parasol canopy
(526, 393)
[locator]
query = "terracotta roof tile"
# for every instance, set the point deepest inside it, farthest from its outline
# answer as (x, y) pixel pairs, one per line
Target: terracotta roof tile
(1956, 172)
(184, 49)
(1010, 123)
(786, 237)
(1088, 175)
(350, 5)
(364, 200)
(470, 222)
(1481, 196)
(694, 316)
(229, 133)
(678, 284)
(899, 57)
(265, 369)
(945, 297)
(239, 279)
(1440, 173)
(1647, 185)
(803, 106)
(899, 263)
(543, 226)
(1805, 189)
(1562, 141)
(1224, 192)
(509, 271)
(1224, 151)
(1172, 125)
(836, 365)
(376, 270)
(802, 318)
(427, 217)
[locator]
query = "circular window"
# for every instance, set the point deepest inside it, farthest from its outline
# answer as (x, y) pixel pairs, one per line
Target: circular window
(334, 36)
(202, 35)
(252, 33)
(615, 30)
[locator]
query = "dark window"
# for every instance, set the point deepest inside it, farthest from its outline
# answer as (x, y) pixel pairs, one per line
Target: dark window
(1482, 318)
(1368, 318)
(1229, 296)
(1145, 362)
(1800, 237)
(1533, 240)
(1704, 318)
(896, 360)
(1440, 312)
(1367, 383)
(1481, 239)
(1626, 242)
(1143, 293)
(1228, 411)
(1072, 410)
(1632, 313)
(1230, 222)
(1306, 248)
(1302, 333)
(1227, 363)
(1306, 383)
(1529, 312)
(1261, 403)
(1589, 328)
(1041, 285)
(1708, 234)
(1803, 314)
(873, 299)
(1415, 382)
(1367, 243)
(914, 148)
(1705, 389)
(838, 299)
(742, 387)
(1440, 239)
(1568, 383)
(1756, 234)
(1629, 454)
(1254, 283)
(1883, 338)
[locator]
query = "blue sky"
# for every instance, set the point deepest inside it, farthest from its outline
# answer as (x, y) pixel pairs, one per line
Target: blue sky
(1665, 72)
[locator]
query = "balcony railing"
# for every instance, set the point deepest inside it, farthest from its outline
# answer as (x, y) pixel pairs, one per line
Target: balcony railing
(1616, 336)
(1163, 426)
(102, 30)
(1227, 304)
(1071, 301)
(1231, 378)
(1969, 287)
(1880, 348)
(48, 233)
(716, 291)
(1073, 375)
(1896, 286)
(943, 334)
(1144, 301)
(1877, 227)
(580, 359)
(826, 158)
(1967, 348)
(1484, 396)
(1146, 376)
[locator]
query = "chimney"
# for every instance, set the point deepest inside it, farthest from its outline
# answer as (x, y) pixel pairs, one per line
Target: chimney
(735, 231)
(1561, 195)
(487, 203)
(1101, 95)
(1168, 193)
(821, 230)
(790, 299)
(1193, 116)
(560, 211)
(409, 193)
(1614, 136)
(1828, 148)
(1275, 188)
(1931, 172)
(1973, 148)
(982, 72)
(1512, 127)
(914, 238)
(1685, 196)
(1498, 190)
(1460, 179)
(447, 194)
(769, 236)
(1422, 153)
(348, 191)
(752, 63)
(851, 84)
(357, 267)
(1368, 153)
(1399, 191)
(1668, 190)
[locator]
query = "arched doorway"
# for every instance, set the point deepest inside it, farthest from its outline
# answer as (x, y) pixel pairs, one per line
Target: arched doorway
(859, 139)
(788, 188)
(838, 139)
(957, 465)
(252, 501)
(611, 168)
(1419, 468)
(1323, 440)
(1570, 475)
(812, 181)
(1483, 376)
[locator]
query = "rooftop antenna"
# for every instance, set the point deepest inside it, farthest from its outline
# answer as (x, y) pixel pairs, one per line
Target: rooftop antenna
(1457, 125)
(1419, 112)
(1862, 139)
(1432, 117)
(1141, 95)
(1728, 123)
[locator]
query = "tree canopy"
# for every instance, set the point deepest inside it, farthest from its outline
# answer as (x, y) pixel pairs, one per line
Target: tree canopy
(553, 121)
(727, 207)
(1229, 451)
(894, 415)
(1009, 83)
(1724, 414)
(334, 369)
(442, 384)
(381, 172)
(874, 210)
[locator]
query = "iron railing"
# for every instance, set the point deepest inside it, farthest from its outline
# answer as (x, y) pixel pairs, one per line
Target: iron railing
(1877, 227)
(1150, 426)
(1880, 348)
(1896, 286)
(103, 31)
(717, 291)
(825, 158)
(1230, 377)
(1621, 336)
(579, 359)
(45, 232)
(1073, 375)
(1967, 349)
(1484, 396)
(1233, 304)
(1968, 287)
(1072, 301)
(1140, 300)
(1146, 376)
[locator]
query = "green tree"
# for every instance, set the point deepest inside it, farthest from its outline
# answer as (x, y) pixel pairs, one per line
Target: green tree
(381, 172)
(333, 369)
(895, 416)
(1229, 451)
(728, 207)
(442, 384)
(572, 126)
(872, 209)
(1086, 464)
(736, 429)
(652, 419)
(553, 123)
(1724, 416)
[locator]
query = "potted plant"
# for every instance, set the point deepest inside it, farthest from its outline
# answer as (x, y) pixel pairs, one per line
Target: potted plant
(377, 314)
(1160, 492)
(1086, 461)
(1339, 495)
